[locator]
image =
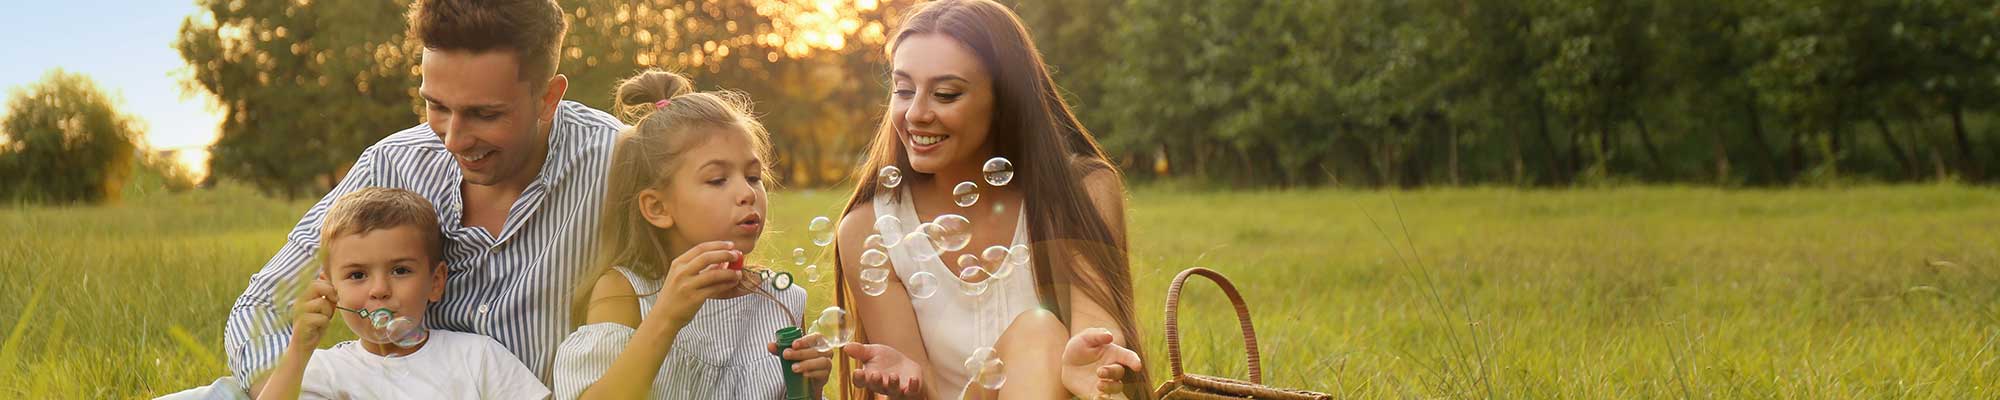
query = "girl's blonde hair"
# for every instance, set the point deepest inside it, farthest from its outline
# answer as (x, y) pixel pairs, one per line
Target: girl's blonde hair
(668, 117)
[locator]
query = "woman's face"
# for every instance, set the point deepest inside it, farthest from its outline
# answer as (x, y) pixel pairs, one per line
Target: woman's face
(942, 104)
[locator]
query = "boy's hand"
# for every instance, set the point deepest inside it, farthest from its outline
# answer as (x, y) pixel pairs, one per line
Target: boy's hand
(694, 277)
(808, 362)
(314, 310)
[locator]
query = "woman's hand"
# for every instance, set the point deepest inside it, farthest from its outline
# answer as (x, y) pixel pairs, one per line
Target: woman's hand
(1094, 365)
(806, 361)
(886, 371)
(314, 310)
(694, 277)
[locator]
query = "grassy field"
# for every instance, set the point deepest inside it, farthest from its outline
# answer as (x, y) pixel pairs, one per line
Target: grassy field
(1880, 292)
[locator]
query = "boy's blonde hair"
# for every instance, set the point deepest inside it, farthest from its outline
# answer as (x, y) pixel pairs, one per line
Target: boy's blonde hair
(376, 208)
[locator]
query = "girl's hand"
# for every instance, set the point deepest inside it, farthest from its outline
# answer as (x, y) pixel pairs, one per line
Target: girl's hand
(694, 277)
(1094, 366)
(314, 309)
(813, 364)
(886, 371)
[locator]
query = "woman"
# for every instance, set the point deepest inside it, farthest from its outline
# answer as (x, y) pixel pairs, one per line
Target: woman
(969, 86)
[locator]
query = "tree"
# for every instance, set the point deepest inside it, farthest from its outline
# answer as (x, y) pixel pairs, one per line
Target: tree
(66, 142)
(304, 86)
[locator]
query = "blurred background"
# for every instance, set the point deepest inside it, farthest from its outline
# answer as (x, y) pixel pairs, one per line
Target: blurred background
(282, 95)
(1422, 198)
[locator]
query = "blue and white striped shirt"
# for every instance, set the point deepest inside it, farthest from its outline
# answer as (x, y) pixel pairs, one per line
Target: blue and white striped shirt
(515, 287)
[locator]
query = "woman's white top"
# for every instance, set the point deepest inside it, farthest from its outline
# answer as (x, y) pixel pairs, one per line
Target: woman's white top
(952, 323)
(720, 354)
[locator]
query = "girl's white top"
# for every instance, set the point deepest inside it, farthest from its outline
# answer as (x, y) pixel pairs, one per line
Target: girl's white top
(952, 323)
(720, 354)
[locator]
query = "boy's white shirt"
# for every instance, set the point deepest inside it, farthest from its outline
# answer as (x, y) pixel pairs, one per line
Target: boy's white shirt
(452, 365)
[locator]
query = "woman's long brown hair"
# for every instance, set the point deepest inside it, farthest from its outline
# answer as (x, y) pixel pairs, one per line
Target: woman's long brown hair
(1052, 152)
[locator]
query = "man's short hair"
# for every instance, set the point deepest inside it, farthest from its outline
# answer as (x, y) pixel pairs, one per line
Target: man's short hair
(532, 29)
(377, 208)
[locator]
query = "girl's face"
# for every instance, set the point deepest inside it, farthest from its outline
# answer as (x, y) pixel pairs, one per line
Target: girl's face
(942, 104)
(716, 193)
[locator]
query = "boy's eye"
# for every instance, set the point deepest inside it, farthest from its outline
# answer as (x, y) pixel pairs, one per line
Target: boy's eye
(402, 270)
(356, 275)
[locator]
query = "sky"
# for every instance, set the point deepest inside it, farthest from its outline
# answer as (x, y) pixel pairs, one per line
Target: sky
(127, 48)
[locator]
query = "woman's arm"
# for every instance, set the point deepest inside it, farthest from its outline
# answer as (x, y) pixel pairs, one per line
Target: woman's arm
(887, 319)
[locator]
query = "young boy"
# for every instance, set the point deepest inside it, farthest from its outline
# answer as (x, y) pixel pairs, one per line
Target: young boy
(383, 252)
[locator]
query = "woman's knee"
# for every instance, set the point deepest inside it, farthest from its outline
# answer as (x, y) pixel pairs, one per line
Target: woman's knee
(1036, 328)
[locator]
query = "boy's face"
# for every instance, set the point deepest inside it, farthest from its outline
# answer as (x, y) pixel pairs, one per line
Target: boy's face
(383, 268)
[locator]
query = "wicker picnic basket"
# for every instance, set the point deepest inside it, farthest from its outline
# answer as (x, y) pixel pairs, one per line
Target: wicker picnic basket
(1189, 386)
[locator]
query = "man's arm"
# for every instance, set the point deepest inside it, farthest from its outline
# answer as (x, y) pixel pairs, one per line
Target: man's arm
(258, 332)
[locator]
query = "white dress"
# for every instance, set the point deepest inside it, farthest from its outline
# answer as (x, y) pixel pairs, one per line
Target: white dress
(720, 354)
(952, 323)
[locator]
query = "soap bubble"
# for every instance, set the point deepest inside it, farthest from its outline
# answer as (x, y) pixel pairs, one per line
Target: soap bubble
(821, 229)
(874, 258)
(873, 242)
(833, 327)
(812, 273)
(414, 338)
(890, 176)
(987, 369)
(1018, 255)
(994, 255)
(967, 261)
(890, 229)
(379, 318)
(874, 281)
(965, 194)
(949, 232)
(798, 256)
(921, 285)
(973, 281)
(999, 171)
(920, 243)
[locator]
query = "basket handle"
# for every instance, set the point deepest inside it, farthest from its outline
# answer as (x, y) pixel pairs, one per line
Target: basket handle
(1242, 317)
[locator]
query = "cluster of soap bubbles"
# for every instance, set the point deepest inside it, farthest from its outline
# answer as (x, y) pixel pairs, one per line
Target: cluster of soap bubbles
(946, 233)
(987, 369)
(388, 328)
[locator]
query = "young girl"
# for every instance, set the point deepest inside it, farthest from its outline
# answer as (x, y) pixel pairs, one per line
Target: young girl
(969, 87)
(671, 313)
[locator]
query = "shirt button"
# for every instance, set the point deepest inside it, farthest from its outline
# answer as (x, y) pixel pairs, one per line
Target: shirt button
(482, 309)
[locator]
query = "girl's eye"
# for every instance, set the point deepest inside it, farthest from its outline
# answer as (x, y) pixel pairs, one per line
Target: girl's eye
(948, 96)
(904, 93)
(754, 179)
(717, 181)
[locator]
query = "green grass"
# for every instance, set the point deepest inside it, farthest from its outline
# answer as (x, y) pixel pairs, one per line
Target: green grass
(1878, 292)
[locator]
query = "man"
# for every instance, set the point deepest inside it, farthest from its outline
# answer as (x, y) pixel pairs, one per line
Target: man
(515, 172)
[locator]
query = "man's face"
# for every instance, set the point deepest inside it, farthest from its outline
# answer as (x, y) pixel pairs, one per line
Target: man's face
(488, 117)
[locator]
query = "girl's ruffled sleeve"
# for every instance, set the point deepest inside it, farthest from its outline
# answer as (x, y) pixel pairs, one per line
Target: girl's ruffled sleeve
(585, 355)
